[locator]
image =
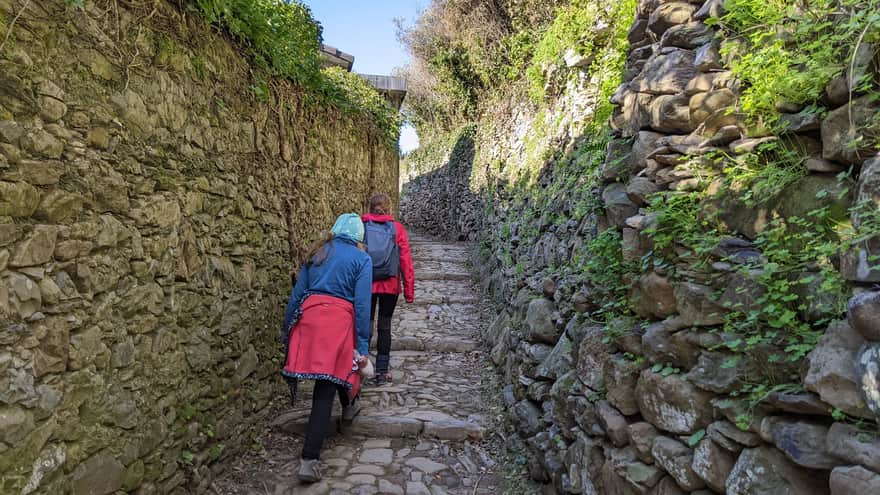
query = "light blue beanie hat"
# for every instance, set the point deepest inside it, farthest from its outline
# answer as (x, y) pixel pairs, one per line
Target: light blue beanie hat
(349, 226)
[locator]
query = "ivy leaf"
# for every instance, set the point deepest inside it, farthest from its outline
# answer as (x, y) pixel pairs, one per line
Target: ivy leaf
(656, 368)
(694, 439)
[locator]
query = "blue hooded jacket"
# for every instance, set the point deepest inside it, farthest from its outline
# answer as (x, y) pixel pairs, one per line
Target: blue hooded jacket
(347, 273)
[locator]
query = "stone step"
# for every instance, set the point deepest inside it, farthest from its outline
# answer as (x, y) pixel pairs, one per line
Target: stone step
(439, 344)
(416, 424)
(442, 276)
(381, 465)
(436, 300)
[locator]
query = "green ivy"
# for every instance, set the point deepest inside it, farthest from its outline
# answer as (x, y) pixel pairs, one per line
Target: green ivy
(787, 52)
(353, 94)
(283, 36)
(285, 40)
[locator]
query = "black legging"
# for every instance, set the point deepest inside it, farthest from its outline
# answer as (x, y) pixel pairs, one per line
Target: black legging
(319, 419)
(386, 304)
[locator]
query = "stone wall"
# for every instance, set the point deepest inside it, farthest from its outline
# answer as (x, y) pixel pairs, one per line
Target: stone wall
(150, 206)
(653, 403)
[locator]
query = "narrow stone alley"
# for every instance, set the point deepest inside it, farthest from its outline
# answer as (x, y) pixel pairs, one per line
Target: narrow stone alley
(428, 431)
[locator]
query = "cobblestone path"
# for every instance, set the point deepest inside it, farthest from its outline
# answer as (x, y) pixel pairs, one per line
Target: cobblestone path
(423, 434)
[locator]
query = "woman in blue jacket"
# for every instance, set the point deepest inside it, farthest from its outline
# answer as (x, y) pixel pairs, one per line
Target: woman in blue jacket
(327, 330)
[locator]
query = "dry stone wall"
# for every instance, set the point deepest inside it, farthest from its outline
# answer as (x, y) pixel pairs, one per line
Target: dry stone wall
(150, 206)
(651, 405)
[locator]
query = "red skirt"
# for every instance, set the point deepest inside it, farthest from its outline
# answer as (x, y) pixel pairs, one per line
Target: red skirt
(322, 343)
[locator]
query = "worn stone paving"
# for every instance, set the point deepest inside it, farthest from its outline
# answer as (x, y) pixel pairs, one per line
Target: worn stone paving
(424, 433)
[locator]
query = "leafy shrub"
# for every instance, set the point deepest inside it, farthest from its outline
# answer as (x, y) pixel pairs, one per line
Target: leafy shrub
(353, 94)
(285, 42)
(789, 51)
(282, 34)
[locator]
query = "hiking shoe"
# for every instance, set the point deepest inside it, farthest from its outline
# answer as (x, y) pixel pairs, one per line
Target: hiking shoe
(309, 470)
(350, 411)
(381, 379)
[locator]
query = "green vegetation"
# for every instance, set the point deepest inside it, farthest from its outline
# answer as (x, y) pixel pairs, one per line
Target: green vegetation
(283, 36)
(284, 40)
(787, 52)
(546, 185)
(353, 94)
(593, 30)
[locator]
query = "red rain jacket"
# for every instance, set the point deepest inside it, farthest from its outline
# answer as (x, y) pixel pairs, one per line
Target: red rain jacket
(392, 285)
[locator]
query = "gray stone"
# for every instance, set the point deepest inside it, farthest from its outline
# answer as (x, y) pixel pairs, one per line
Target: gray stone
(832, 373)
(558, 362)
(528, 418)
(18, 199)
(800, 122)
(766, 471)
(676, 459)
(641, 437)
(539, 322)
(690, 35)
(37, 248)
(854, 446)
(58, 206)
(709, 57)
(663, 344)
(644, 144)
(668, 15)
(25, 297)
(713, 464)
(385, 426)
(416, 488)
(843, 143)
(101, 474)
(49, 461)
(653, 296)
(624, 374)
(622, 474)
(857, 265)
(797, 403)
(668, 486)
(43, 144)
(868, 369)
(854, 480)
(640, 476)
(15, 424)
(666, 73)
(696, 306)
(454, 430)
(425, 465)
(802, 441)
(863, 314)
(593, 353)
(535, 353)
(618, 164)
(640, 189)
(613, 423)
(672, 114)
(704, 105)
(673, 404)
(618, 206)
(574, 59)
(711, 8)
(376, 456)
(713, 373)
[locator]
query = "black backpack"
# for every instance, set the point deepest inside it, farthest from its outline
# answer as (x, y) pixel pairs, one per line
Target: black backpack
(381, 242)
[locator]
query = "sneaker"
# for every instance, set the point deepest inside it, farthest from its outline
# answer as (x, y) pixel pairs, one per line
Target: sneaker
(381, 379)
(350, 411)
(309, 470)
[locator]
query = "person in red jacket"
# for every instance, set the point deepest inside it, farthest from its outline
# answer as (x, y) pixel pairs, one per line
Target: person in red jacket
(386, 291)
